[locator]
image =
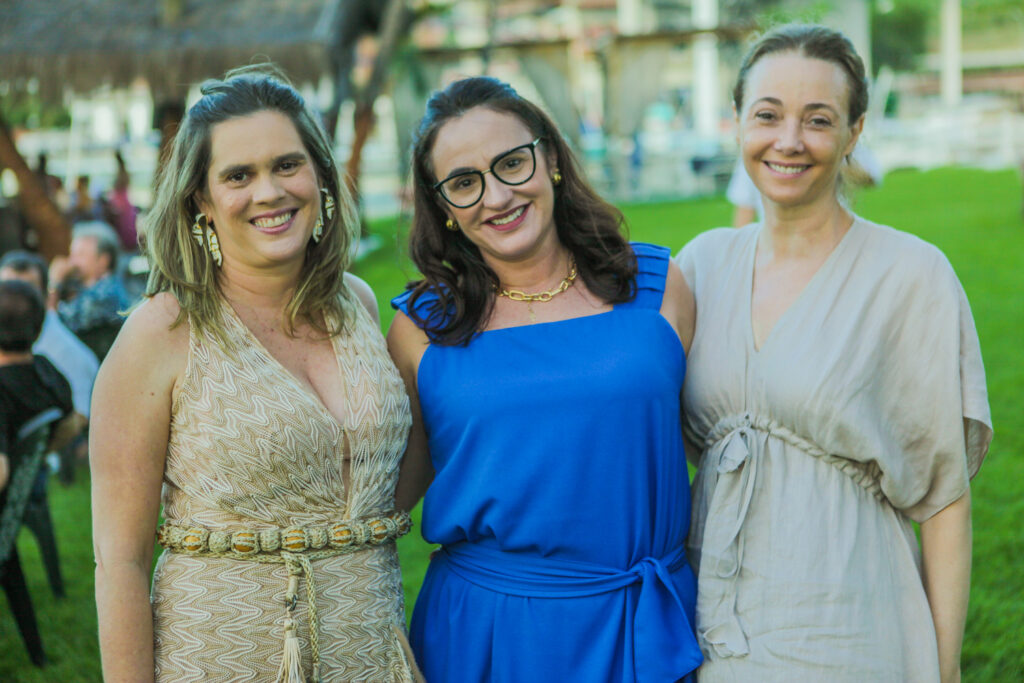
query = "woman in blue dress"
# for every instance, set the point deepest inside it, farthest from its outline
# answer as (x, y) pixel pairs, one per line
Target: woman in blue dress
(544, 356)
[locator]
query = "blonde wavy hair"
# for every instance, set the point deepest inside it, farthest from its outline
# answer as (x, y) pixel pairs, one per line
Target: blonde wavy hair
(183, 267)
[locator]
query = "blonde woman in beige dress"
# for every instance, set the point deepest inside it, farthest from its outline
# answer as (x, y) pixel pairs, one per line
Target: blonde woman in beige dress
(834, 394)
(254, 388)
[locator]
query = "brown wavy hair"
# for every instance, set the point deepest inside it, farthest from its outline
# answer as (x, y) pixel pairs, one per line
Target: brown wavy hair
(181, 266)
(453, 269)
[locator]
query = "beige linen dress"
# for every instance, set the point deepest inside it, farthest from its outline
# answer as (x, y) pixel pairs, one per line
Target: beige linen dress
(865, 408)
(252, 448)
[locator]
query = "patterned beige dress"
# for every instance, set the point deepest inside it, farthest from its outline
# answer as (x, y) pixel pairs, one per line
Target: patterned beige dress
(250, 447)
(865, 408)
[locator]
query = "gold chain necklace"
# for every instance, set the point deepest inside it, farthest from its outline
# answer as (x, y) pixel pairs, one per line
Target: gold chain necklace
(542, 297)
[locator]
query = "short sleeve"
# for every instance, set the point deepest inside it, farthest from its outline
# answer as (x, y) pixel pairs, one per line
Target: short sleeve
(401, 302)
(709, 244)
(930, 389)
(424, 309)
(686, 261)
(652, 270)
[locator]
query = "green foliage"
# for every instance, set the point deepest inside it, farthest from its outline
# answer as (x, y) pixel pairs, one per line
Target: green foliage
(973, 216)
(26, 110)
(899, 37)
(979, 14)
(810, 12)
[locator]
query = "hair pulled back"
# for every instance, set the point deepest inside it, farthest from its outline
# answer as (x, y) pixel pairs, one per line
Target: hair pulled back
(816, 42)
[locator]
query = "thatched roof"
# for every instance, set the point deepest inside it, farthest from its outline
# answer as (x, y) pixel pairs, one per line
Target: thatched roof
(85, 44)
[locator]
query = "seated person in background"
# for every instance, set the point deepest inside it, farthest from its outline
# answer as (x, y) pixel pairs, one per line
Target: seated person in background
(28, 384)
(97, 308)
(68, 354)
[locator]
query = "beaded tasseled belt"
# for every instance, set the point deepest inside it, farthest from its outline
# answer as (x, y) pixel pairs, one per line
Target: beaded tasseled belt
(294, 547)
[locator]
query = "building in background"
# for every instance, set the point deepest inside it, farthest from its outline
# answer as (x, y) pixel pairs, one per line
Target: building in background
(640, 87)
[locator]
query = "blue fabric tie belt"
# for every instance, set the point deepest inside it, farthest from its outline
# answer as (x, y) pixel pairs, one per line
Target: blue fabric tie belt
(665, 646)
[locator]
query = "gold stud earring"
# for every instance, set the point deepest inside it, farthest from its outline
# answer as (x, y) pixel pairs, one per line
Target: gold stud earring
(201, 228)
(451, 225)
(556, 178)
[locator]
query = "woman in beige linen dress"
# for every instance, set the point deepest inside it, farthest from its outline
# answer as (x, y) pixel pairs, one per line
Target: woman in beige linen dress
(254, 387)
(834, 393)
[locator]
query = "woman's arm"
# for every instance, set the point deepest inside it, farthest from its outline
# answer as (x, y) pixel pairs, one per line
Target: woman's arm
(678, 305)
(131, 412)
(407, 344)
(946, 553)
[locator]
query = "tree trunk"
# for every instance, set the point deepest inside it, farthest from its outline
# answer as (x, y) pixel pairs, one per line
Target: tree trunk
(396, 23)
(362, 121)
(40, 212)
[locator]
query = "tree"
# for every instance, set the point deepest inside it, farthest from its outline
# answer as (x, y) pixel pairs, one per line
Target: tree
(39, 210)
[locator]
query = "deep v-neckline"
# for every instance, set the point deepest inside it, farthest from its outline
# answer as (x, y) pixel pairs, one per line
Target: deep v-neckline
(307, 391)
(819, 274)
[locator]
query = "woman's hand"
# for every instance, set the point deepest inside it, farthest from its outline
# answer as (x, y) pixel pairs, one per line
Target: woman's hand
(946, 553)
(131, 414)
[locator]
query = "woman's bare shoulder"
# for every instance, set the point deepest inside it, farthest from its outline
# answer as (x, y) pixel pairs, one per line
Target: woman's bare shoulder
(152, 337)
(155, 320)
(365, 295)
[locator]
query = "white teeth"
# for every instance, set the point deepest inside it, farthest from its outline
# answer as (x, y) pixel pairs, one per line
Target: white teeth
(509, 218)
(788, 170)
(273, 221)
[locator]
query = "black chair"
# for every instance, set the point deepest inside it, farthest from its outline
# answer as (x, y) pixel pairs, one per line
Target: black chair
(25, 457)
(40, 522)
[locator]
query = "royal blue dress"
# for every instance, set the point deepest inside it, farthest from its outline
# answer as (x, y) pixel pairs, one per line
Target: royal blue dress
(561, 500)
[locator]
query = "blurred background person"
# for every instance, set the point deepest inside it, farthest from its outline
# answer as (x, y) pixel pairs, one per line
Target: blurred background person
(61, 347)
(252, 394)
(118, 208)
(75, 361)
(29, 384)
(96, 312)
(546, 355)
(836, 395)
(84, 206)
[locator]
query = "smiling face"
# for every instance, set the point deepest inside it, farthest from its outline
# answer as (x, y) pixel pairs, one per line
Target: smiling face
(510, 222)
(794, 128)
(261, 193)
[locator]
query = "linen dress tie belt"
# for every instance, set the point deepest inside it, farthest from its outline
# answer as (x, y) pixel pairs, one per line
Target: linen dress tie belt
(665, 647)
(734, 450)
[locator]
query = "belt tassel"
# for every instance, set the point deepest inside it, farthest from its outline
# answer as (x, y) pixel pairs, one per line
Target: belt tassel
(291, 660)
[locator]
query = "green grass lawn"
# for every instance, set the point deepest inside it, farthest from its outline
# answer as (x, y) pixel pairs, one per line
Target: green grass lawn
(974, 216)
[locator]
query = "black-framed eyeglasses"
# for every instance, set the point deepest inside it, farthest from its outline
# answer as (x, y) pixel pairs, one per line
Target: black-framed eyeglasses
(514, 167)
